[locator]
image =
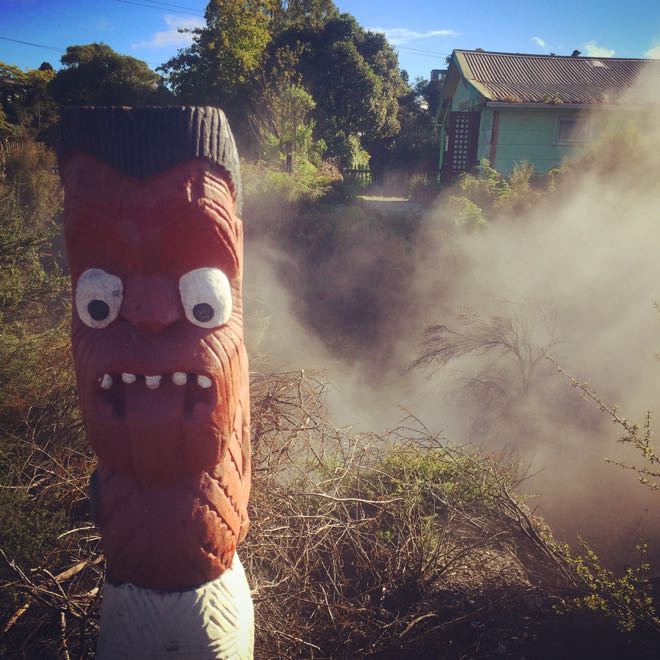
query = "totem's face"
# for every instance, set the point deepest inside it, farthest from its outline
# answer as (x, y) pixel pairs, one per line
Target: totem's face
(157, 336)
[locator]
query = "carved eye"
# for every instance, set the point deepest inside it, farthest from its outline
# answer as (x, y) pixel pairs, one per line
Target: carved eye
(98, 297)
(206, 297)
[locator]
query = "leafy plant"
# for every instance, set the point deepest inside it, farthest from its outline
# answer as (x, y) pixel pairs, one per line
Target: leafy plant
(639, 436)
(488, 195)
(627, 599)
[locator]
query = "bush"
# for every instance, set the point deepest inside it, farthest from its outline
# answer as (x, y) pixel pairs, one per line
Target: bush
(423, 188)
(626, 599)
(487, 195)
(44, 464)
(267, 185)
(372, 545)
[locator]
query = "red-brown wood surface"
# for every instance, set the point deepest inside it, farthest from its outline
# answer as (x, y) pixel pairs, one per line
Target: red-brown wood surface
(174, 462)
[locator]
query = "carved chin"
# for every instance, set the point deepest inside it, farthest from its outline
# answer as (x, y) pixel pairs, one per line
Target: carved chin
(166, 537)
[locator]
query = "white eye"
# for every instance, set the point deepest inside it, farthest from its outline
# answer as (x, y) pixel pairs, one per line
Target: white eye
(206, 297)
(98, 297)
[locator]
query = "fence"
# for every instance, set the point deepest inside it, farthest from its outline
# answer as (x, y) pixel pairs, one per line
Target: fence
(6, 146)
(361, 175)
(364, 176)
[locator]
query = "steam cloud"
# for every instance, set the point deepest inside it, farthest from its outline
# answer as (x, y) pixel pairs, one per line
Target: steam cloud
(578, 275)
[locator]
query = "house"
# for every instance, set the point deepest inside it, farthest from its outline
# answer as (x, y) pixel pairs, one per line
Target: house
(510, 107)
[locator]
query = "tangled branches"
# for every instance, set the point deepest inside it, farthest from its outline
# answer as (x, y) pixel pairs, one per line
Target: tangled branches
(364, 544)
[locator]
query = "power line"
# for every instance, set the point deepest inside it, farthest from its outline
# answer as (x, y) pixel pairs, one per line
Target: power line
(29, 43)
(415, 52)
(168, 4)
(418, 50)
(175, 11)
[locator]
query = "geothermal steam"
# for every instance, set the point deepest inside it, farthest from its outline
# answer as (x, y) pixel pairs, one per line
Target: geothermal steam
(577, 275)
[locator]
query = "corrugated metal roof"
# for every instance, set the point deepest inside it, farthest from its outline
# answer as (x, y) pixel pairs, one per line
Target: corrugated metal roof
(517, 78)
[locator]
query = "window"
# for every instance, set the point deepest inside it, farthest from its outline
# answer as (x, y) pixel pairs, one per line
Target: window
(571, 129)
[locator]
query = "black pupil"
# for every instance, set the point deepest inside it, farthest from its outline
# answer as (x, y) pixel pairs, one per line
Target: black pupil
(203, 312)
(98, 310)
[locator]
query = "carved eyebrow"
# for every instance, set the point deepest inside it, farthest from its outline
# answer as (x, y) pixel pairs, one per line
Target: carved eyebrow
(200, 228)
(225, 226)
(190, 209)
(91, 231)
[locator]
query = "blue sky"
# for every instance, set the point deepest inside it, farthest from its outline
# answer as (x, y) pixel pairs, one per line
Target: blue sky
(423, 31)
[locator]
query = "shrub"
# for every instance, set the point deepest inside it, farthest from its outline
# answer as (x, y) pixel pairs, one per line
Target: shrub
(44, 464)
(423, 188)
(266, 185)
(625, 599)
(372, 545)
(486, 194)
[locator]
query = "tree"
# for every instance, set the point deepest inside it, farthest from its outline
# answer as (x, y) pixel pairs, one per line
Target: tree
(415, 147)
(94, 74)
(353, 76)
(304, 13)
(225, 55)
(282, 119)
(26, 106)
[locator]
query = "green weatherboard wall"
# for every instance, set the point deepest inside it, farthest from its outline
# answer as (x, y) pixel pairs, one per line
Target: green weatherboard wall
(529, 135)
(523, 134)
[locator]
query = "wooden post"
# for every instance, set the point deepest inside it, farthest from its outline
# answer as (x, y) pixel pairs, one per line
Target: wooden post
(162, 372)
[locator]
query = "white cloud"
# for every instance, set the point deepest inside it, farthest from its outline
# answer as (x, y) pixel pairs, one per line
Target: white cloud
(104, 25)
(399, 36)
(172, 36)
(594, 50)
(539, 42)
(653, 53)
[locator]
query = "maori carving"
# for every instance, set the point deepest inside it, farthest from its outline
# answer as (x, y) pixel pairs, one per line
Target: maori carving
(155, 246)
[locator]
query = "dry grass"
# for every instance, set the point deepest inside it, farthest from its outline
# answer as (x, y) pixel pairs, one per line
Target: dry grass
(362, 544)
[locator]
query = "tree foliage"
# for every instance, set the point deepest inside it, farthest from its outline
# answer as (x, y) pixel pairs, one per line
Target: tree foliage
(94, 74)
(25, 103)
(354, 78)
(304, 13)
(351, 74)
(415, 147)
(225, 54)
(282, 118)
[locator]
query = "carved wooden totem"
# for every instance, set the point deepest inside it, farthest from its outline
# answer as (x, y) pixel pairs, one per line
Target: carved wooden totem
(155, 246)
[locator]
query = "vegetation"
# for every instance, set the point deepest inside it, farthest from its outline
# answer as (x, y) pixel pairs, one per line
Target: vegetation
(252, 57)
(388, 538)
(26, 106)
(43, 457)
(95, 75)
(639, 436)
(485, 195)
(283, 123)
(294, 78)
(225, 55)
(353, 75)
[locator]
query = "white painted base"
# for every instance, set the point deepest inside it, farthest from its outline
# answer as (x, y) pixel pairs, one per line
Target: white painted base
(215, 621)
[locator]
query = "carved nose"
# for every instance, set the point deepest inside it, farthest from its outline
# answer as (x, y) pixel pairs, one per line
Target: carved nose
(150, 303)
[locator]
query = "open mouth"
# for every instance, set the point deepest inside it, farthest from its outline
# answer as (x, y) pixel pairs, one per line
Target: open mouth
(123, 394)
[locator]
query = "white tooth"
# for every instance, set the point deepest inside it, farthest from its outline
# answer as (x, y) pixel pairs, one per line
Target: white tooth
(179, 378)
(128, 378)
(152, 382)
(204, 381)
(106, 382)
